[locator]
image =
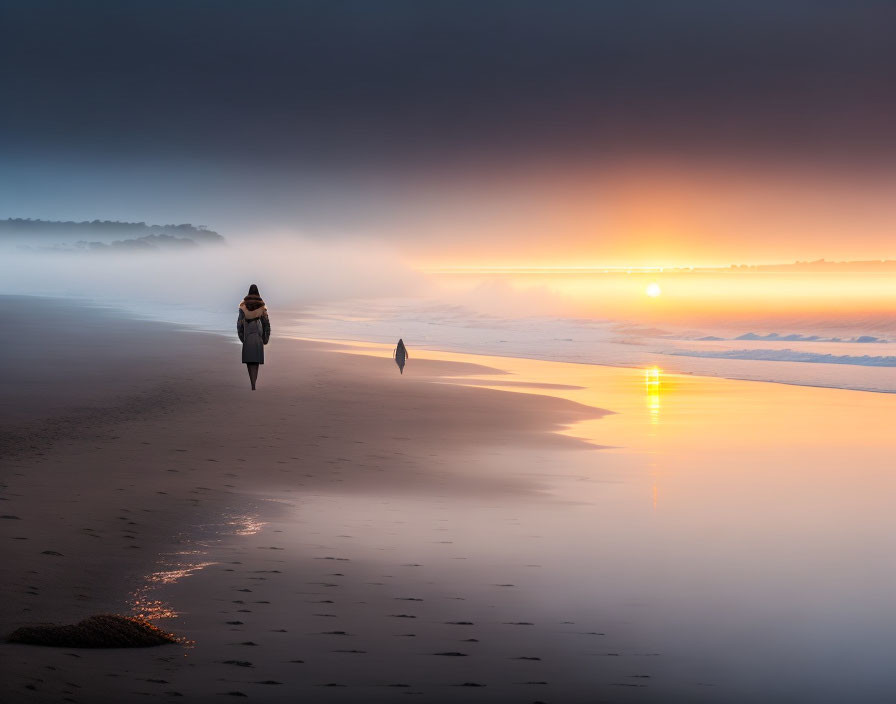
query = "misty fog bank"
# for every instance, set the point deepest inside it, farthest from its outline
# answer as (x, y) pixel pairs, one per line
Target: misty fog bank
(290, 271)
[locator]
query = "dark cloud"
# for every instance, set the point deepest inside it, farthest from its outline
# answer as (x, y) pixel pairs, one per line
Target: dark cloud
(397, 82)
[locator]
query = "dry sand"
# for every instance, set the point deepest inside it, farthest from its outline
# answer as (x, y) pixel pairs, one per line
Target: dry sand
(311, 537)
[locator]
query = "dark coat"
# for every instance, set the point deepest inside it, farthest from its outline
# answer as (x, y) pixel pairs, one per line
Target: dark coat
(254, 330)
(400, 355)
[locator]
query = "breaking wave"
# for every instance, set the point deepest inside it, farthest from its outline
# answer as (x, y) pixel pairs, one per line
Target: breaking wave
(788, 355)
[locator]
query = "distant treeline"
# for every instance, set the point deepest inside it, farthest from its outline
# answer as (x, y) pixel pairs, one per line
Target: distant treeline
(105, 230)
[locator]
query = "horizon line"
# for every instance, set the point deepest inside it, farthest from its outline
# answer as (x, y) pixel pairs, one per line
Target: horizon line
(560, 269)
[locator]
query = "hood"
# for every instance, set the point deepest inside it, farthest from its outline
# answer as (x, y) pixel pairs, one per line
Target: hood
(253, 314)
(253, 301)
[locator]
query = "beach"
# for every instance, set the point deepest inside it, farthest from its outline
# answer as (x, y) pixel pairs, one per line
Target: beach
(478, 528)
(576, 327)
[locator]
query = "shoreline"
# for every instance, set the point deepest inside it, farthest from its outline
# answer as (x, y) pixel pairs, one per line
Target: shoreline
(672, 361)
(640, 367)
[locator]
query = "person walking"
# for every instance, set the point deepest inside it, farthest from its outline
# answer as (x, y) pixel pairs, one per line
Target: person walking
(400, 355)
(254, 329)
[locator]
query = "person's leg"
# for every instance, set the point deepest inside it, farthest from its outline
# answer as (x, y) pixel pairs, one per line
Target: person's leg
(253, 374)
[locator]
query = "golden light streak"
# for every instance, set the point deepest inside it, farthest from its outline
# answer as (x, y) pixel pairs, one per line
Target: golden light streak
(652, 385)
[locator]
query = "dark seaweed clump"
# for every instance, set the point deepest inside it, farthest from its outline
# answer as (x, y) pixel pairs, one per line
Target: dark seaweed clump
(103, 631)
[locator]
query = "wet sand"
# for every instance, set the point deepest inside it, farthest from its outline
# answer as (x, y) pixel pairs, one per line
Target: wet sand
(477, 529)
(155, 460)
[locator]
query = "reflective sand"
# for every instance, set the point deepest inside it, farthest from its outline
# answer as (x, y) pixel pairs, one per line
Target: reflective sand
(742, 531)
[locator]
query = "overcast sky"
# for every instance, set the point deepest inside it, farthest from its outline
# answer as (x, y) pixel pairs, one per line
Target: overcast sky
(331, 116)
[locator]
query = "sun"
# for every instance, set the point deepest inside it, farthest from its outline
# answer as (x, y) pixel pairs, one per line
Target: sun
(653, 290)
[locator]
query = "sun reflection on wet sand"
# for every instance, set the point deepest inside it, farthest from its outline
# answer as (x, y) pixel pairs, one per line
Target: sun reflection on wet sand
(652, 384)
(246, 525)
(175, 575)
(153, 609)
(150, 609)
